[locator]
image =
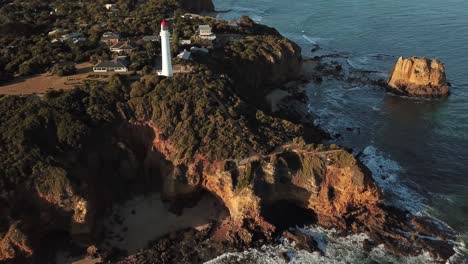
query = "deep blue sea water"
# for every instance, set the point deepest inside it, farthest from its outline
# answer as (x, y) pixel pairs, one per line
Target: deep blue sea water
(417, 149)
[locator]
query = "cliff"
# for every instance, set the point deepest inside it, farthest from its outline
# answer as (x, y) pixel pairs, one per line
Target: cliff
(259, 61)
(199, 6)
(68, 157)
(419, 77)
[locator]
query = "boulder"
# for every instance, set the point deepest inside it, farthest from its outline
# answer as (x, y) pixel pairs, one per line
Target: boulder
(419, 77)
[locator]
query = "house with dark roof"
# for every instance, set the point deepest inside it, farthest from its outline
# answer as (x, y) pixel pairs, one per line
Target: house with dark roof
(110, 38)
(123, 47)
(184, 55)
(118, 64)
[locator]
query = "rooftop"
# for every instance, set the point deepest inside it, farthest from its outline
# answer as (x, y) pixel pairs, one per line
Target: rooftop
(204, 27)
(110, 35)
(118, 62)
(123, 45)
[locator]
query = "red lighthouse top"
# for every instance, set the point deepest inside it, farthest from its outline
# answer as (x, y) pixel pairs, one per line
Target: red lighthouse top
(164, 23)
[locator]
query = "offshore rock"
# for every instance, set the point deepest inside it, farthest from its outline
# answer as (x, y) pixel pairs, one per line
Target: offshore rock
(419, 77)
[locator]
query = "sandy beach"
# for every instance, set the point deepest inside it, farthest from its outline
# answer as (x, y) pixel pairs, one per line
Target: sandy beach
(146, 218)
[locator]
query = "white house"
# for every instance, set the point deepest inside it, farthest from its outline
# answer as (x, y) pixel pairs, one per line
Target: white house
(204, 32)
(110, 7)
(185, 42)
(74, 37)
(110, 38)
(119, 64)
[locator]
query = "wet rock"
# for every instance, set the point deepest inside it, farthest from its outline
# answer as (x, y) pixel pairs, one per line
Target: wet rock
(185, 246)
(301, 240)
(315, 48)
(368, 244)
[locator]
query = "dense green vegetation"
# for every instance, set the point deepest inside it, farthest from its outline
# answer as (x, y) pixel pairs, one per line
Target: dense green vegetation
(63, 70)
(26, 47)
(200, 115)
(83, 141)
(38, 130)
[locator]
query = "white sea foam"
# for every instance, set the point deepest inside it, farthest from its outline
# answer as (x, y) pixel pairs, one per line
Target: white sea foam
(310, 39)
(335, 250)
(386, 173)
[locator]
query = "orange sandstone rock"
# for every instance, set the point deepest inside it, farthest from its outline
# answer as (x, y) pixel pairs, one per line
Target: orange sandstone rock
(419, 77)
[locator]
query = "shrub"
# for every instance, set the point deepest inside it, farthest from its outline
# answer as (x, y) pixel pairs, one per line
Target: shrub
(63, 70)
(313, 167)
(25, 69)
(344, 159)
(50, 181)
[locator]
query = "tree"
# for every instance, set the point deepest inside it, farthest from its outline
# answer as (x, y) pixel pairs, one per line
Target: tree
(63, 70)
(25, 69)
(146, 70)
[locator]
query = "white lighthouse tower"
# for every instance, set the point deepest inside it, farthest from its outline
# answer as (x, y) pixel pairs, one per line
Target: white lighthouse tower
(166, 50)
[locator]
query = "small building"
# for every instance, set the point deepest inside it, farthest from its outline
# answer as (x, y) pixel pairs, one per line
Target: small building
(185, 42)
(151, 38)
(72, 37)
(190, 16)
(79, 41)
(56, 31)
(123, 47)
(111, 7)
(199, 50)
(110, 38)
(184, 55)
(118, 64)
(205, 32)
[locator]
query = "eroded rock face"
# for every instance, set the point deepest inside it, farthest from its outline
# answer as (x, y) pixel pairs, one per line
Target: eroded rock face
(332, 187)
(14, 244)
(419, 77)
(198, 6)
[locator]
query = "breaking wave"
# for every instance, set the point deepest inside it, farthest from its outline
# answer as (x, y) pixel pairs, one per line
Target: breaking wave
(386, 173)
(334, 249)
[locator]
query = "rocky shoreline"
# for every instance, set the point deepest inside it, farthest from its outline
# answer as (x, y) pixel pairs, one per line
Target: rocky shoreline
(411, 235)
(245, 139)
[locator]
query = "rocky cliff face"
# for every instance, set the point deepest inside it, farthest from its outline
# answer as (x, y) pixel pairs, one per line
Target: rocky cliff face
(327, 186)
(186, 135)
(199, 6)
(260, 61)
(419, 77)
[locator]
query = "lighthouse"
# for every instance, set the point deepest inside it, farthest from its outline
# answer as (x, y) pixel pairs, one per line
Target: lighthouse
(166, 50)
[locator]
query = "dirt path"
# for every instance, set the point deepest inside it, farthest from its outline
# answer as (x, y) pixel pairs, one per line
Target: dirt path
(42, 83)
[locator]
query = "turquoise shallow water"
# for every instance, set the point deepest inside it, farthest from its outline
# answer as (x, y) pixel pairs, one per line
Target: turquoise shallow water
(417, 149)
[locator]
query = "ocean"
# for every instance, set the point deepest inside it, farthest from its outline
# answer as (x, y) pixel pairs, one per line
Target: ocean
(417, 149)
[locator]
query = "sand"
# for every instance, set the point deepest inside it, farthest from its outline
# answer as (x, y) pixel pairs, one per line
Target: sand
(143, 219)
(275, 97)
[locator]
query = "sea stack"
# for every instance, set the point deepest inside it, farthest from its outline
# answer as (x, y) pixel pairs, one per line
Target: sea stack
(419, 77)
